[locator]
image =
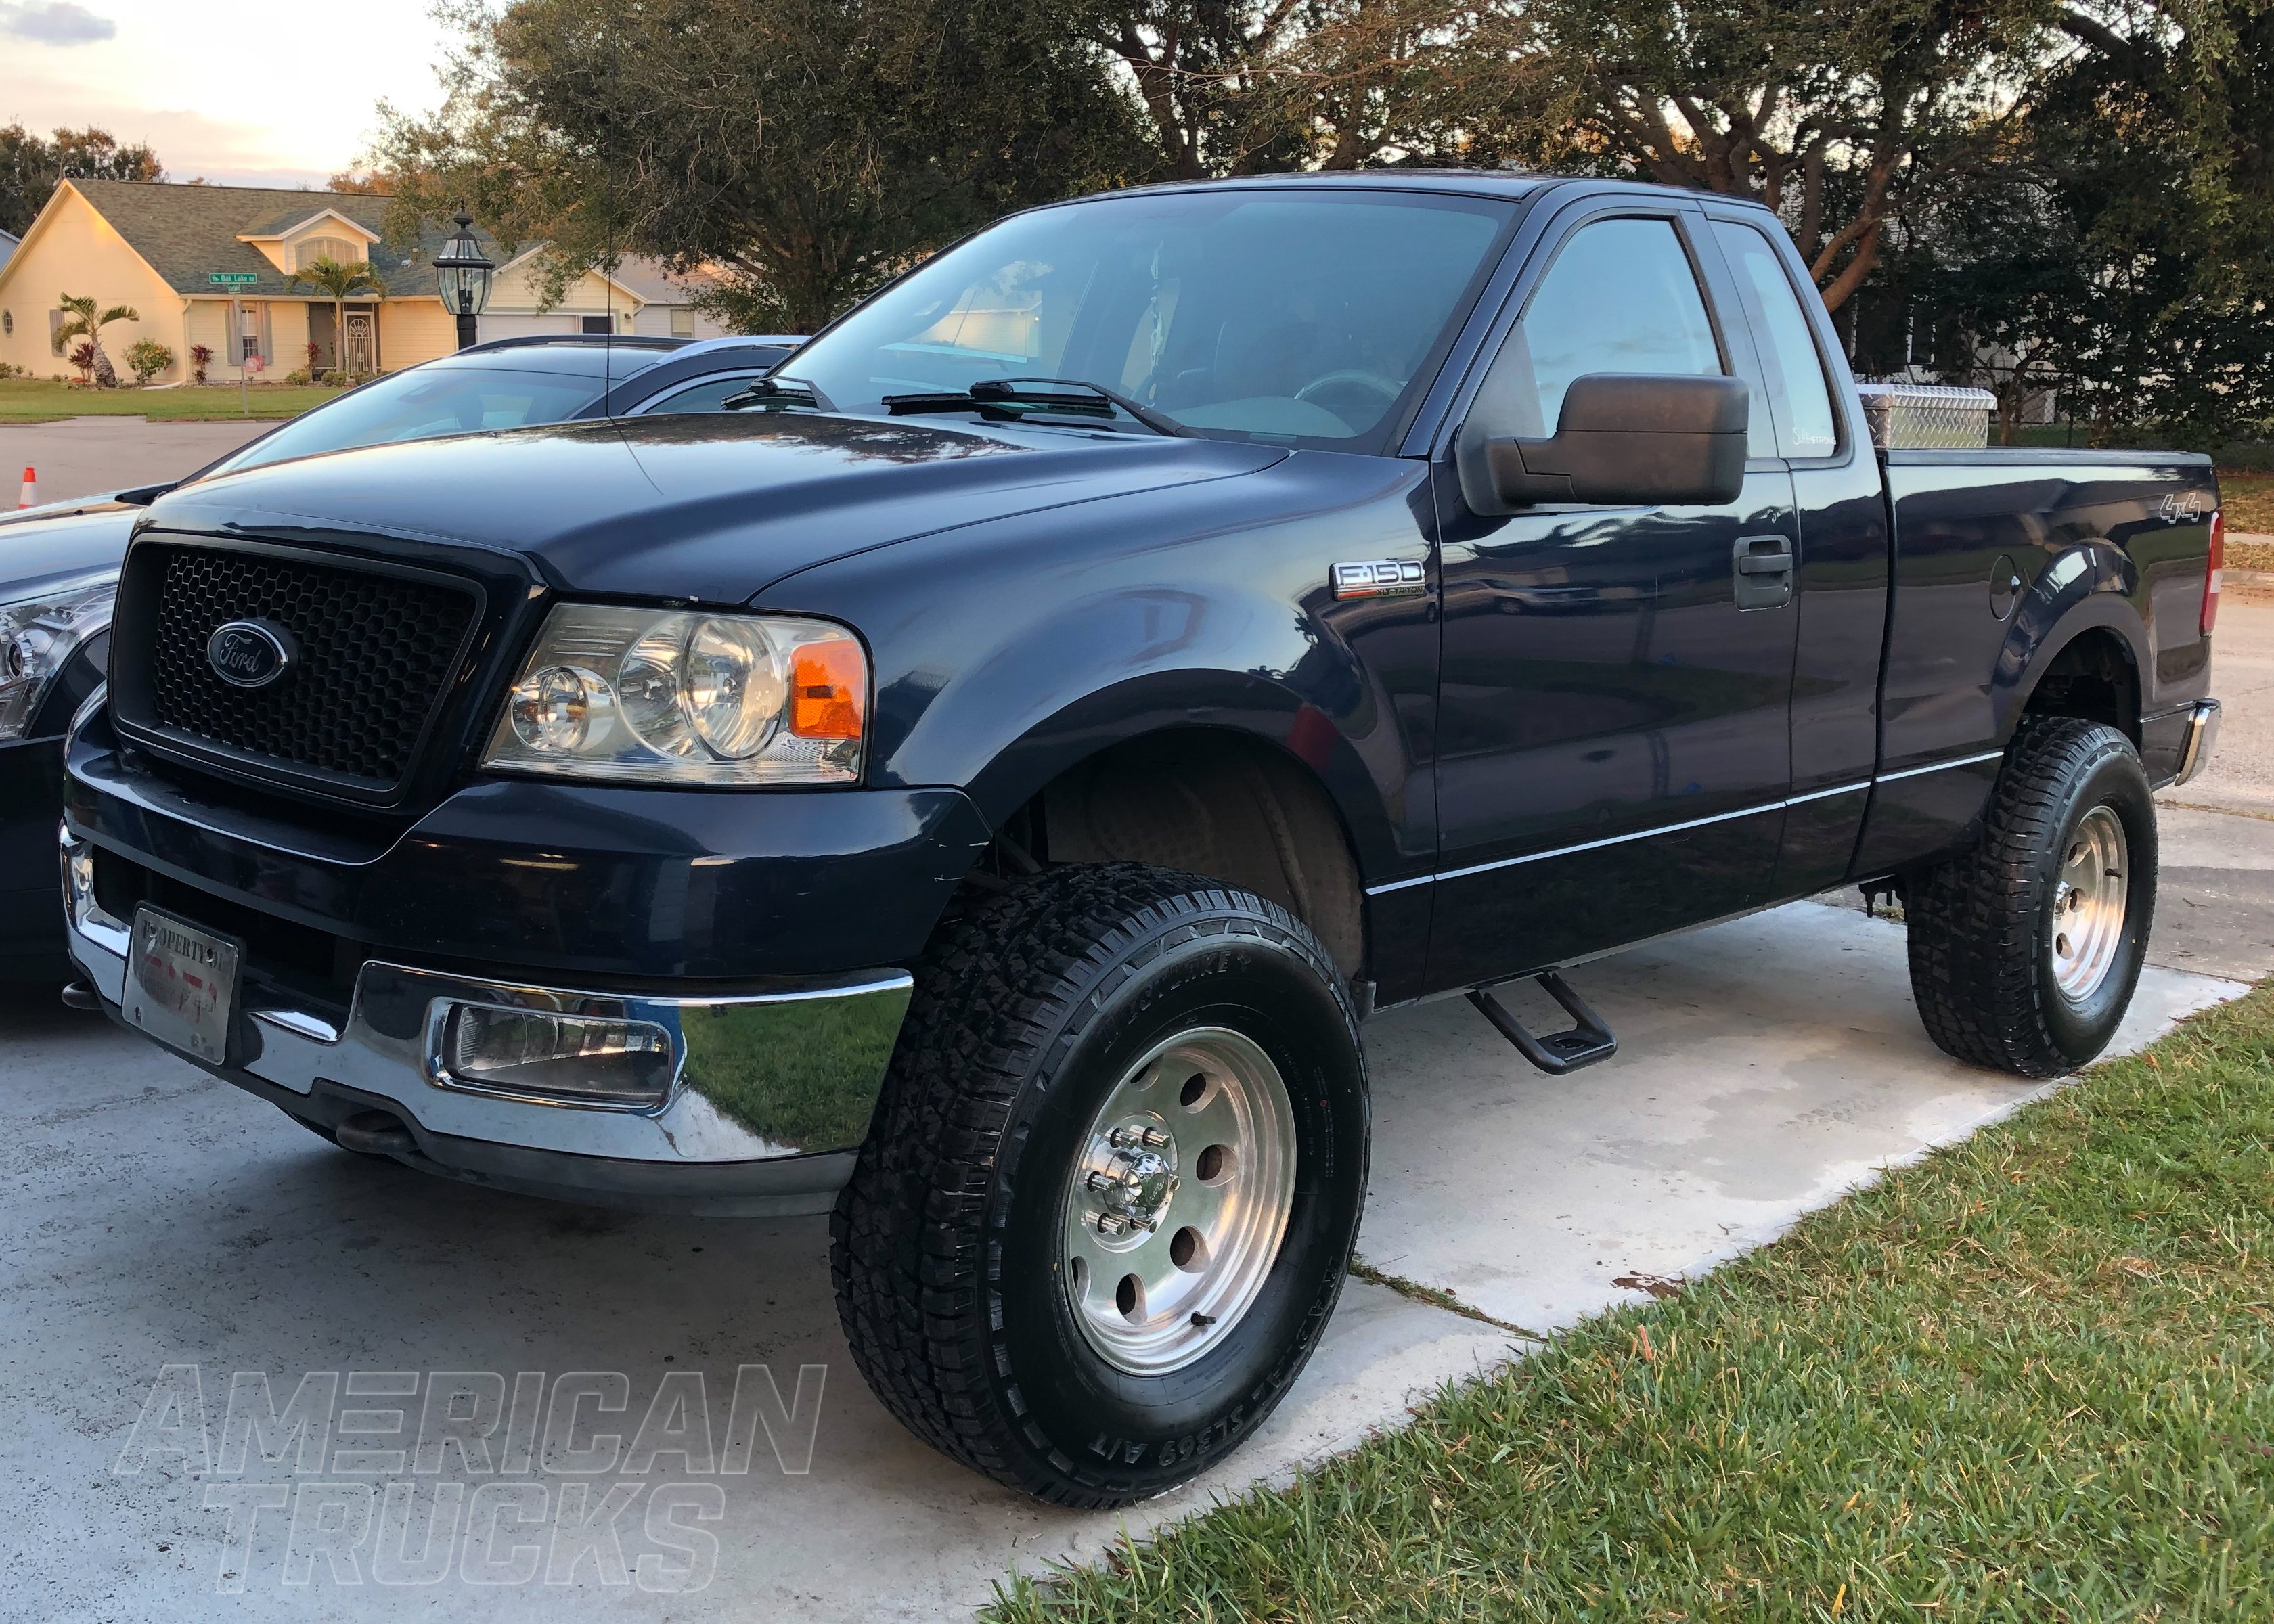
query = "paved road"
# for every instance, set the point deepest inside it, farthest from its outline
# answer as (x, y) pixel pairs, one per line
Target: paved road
(2240, 776)
(166, 1231)
(80, 456)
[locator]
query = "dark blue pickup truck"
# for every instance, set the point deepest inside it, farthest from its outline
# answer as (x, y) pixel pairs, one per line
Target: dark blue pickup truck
(979, 785)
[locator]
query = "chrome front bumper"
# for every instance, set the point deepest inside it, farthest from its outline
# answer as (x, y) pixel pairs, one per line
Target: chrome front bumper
(771, 1093)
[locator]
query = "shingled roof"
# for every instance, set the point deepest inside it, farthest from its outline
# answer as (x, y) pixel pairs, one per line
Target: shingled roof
(188, 232)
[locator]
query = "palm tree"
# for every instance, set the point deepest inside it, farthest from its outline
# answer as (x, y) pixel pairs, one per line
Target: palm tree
(87, 323)
(340, 283)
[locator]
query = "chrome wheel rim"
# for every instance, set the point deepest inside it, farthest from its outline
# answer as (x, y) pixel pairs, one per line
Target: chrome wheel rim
(1177, 1201)
(2089, 896)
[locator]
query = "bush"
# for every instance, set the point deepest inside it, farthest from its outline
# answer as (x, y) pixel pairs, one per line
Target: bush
(148, 357)
(201, 357)
(82, 357)
(298, 375)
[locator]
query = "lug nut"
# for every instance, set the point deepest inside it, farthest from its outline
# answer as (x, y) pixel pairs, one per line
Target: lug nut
(1108, 1224)
(1154, 1138)
(1103, 1181)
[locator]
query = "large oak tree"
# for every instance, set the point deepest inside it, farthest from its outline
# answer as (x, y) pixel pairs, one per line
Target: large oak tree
(30, 166)
(1824, 112)
(807, 149)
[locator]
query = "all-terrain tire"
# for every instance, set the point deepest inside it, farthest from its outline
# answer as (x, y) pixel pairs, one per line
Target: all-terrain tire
(946, 1245)
(1983, 925)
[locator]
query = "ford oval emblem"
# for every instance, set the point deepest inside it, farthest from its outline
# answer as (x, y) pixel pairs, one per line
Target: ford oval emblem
(251, 653)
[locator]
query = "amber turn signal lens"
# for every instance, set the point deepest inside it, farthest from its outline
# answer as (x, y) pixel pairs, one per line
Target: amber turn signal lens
(829, 688)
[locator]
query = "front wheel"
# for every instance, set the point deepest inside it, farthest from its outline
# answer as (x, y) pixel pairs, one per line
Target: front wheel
(1105, 1210)
(2025, 950)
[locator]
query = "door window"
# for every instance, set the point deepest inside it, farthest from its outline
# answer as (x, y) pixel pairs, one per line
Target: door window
(1806, 424)
(1621, 297)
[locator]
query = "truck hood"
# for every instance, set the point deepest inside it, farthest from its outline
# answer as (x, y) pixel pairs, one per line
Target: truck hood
(38, 552)
(711, 507)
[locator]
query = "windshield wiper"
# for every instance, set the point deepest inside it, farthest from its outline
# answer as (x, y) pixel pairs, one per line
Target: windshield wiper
(777, 394)
(1003, 400)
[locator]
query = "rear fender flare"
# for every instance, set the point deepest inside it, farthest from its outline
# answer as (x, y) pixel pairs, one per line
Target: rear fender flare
(2089, 586)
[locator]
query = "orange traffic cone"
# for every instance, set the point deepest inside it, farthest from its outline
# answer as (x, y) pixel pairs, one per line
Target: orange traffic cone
(31, 495)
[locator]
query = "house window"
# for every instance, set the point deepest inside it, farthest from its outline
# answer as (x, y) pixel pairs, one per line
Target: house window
(253, 333)
(682, 321)
(307, 252)
(8, 323)
(593, 324)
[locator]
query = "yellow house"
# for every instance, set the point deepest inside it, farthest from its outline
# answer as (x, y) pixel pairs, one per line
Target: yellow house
(156, 247)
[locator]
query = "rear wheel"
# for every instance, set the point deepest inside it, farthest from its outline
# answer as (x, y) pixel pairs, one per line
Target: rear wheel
(1103, 1213)
(2025, 950)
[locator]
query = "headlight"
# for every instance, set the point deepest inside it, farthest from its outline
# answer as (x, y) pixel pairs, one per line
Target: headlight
(653, 695)
(38, 637)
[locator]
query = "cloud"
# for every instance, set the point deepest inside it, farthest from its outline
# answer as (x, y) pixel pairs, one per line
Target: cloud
(54, 22)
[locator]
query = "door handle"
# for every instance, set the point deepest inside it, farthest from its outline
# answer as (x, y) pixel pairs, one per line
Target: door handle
(1763, 566)
(1764, 555)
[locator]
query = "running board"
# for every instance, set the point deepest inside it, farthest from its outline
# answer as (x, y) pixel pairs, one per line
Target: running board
(1587, 1041)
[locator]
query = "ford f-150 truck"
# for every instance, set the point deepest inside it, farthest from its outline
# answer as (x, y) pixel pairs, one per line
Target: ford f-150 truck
(978, 786)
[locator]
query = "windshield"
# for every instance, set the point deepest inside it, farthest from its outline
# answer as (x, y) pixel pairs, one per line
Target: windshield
(448, 397)
(1292, 315)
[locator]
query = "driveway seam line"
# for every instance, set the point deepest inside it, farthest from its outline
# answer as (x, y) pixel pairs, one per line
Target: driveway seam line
(1436, 1296)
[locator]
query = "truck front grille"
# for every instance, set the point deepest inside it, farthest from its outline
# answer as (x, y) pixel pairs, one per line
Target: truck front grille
(374, 659)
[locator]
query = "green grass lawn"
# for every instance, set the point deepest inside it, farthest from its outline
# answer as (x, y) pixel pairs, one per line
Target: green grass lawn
(37, 399)
(2029, 1378)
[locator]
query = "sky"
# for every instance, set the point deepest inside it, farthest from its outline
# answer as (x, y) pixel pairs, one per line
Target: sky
(264, 94)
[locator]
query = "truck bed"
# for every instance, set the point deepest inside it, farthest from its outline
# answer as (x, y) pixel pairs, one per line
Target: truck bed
(1999, 554)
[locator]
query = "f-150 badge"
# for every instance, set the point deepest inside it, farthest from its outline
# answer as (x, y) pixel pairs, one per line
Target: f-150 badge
(1379, 578)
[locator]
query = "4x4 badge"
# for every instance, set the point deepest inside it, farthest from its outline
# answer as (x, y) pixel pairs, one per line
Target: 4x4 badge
(1379, 578)
(251, 653)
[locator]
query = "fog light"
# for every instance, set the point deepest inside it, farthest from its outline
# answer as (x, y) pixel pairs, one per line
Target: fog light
(77, 856)
(78, 875)
(571, 1057)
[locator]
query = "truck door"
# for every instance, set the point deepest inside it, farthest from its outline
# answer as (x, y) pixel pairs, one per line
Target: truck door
(1843, 578)
(1616, 682)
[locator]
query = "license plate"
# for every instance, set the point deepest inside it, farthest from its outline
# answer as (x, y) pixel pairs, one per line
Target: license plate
(181, 984)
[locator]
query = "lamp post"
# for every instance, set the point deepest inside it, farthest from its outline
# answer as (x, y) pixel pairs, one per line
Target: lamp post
(462, 273)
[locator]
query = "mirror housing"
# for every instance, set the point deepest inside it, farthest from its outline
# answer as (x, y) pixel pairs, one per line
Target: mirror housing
(1627, 439)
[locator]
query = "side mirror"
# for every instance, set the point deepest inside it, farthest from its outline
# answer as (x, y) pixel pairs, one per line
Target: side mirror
(1625, 437)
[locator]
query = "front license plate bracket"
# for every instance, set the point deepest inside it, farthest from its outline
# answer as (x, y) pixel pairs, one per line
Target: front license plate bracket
(182, 983)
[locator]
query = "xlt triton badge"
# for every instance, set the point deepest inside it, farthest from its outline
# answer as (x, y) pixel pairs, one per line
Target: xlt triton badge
(250, 653)
(1379, 578)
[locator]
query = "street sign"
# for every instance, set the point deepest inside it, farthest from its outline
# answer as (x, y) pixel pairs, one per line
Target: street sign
(234, 281)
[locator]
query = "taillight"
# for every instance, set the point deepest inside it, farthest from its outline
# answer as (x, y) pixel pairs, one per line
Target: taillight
(2218, 563)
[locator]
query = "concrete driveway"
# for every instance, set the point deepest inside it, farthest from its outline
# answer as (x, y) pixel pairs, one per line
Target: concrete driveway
(514, 1406)
(80, 456)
